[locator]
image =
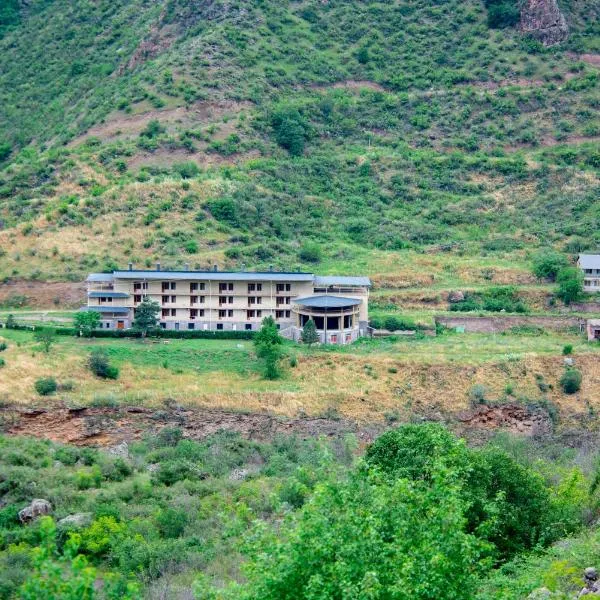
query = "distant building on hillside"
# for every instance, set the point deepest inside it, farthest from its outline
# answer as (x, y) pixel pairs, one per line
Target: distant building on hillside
(218, 300)
(590, 265)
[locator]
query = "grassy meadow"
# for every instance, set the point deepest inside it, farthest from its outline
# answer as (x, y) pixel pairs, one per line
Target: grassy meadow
(364, 382)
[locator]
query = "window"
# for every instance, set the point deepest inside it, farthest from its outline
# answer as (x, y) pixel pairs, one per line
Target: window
(222, 300)
(193, 299)
(194, 287)
(248, 326)
(219, 326)
(173, 299)
(137, 298)
(165, 312)
(283, 300)
(140, 285)
(278, 314)
(165, 299)
(251, 287)
(230, 313)
(250, 314)
(230, 299)
(259, 313)
(163, 325)
(173, 312)
(226, 287)
(254, 300)
(191, 325)
(284, 287)
(193, 313)
(222, 314)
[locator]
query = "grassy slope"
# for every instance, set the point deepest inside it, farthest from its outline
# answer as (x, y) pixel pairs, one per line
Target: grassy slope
(364, 382)
(445, 137)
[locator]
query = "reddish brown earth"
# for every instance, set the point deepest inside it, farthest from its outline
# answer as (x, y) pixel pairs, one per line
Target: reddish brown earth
(42, 294)
(107, 426)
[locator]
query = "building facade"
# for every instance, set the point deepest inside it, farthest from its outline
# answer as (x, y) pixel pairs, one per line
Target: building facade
(217, 300)
(590, 265)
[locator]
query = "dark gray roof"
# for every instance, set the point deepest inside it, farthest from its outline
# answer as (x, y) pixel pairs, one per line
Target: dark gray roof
(214, 275)
(589, 261)
(327, 301)
(108, 295)
(100, 277)
(342, 280)
(117, 310)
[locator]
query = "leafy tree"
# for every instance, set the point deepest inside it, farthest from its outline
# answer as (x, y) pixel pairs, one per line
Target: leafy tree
(291, 129)
(309, 335)
(508, 505)
(86, 321)
(570, 284)
(46, 336)
(146, 316)
(11, 322)
(502, 13)
(547, 264)
(268, 347)
(368, 538)
(69, 576)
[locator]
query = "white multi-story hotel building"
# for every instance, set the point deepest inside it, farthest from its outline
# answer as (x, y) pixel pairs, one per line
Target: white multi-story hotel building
(219, 300)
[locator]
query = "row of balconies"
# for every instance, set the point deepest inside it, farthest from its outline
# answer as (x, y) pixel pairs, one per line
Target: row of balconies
(223, 314)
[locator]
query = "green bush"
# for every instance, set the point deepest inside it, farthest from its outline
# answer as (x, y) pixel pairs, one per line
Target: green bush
(2, 362)
(509, 505)
(571, 381)
(45, 386)
(100, 366)
(3, 346)
(548, 263)
(567, 349)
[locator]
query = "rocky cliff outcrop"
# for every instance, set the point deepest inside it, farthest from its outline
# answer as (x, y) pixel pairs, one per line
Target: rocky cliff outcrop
(543, 20)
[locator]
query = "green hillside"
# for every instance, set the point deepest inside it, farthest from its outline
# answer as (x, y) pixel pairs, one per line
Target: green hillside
(346, 133)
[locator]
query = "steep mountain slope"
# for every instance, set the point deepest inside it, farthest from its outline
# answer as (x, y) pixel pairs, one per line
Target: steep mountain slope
(355, 134)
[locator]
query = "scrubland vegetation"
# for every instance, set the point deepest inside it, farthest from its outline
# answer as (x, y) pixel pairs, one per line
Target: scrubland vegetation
(420, 515)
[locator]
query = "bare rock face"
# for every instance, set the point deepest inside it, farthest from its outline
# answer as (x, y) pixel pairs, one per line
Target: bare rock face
(38, 508)
(456, 296)
(544, 21)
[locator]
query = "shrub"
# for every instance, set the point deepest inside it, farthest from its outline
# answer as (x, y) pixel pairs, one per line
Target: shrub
(571, 381)
(3, 346)
(310, 252)
(100, 366)
(547, 264)
(570, 284)
(2, 362)
(567, 349)
(477, 394)
(45, 386)
(291, 129)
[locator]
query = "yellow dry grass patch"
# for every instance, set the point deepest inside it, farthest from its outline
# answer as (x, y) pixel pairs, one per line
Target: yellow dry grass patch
(363, 388)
